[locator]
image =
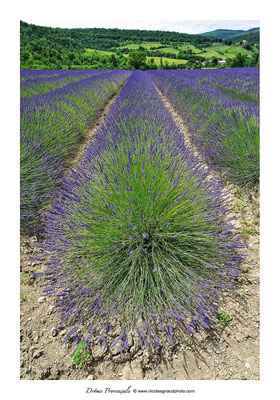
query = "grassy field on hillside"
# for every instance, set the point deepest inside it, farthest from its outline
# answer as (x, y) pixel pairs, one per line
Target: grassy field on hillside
(88, 52)
(167, 60)
(231, 50)
(219, 51)
(146, 45)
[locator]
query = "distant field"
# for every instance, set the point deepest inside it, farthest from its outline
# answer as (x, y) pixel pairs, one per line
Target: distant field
(146, 45)
(165, 49)
(210, 54)
(168, 60)
(169, 50)
(156, 59)
(90, 51)
(228, 50)
(188, 46)
(222, 52)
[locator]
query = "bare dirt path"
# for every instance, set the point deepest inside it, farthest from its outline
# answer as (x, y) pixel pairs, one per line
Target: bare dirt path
(227, 351)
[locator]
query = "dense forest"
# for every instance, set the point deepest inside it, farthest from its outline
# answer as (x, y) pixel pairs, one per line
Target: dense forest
(100, 48)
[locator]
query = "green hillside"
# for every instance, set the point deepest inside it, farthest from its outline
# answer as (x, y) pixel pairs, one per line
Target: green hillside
(223, 33)
(100, 48)
(230, 33)
(252, 37)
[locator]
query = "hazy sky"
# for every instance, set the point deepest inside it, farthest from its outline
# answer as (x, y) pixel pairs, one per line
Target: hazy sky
(182, 26)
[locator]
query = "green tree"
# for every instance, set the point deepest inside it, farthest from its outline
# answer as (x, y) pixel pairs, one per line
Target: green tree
(24, 55)
(137, 59)
(238, 61)
(114, 60)
(247, 46)
(71, 56)
(214, 61)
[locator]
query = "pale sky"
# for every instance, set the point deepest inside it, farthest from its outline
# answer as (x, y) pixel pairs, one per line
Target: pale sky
(182, 26)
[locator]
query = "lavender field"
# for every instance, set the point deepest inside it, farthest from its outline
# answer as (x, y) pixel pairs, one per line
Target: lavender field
(139, 241)
(56, 110)
(221, 110)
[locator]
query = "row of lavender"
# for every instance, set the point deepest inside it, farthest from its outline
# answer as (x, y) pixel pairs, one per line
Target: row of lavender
(52, 124)
(36, 85)
(29, 74)
(221, 110)
(139, 236)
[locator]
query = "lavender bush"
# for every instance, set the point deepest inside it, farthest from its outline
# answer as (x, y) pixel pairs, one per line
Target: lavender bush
(138, 236)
